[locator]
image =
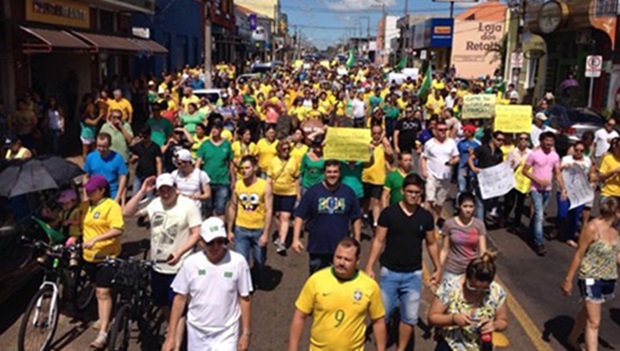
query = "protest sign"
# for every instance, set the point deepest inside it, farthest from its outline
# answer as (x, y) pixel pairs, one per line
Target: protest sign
(513, 118)
(348, 144)
(478, 106)
(496, 181)
(577, 186)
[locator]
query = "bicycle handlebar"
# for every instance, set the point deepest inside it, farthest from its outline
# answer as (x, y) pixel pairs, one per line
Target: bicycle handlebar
(39, 244)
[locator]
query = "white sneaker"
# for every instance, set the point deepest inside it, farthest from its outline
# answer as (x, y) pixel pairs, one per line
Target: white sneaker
(100, 342)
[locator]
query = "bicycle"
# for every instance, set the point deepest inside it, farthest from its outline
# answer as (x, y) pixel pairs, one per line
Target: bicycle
(41, 317)
(134, 302)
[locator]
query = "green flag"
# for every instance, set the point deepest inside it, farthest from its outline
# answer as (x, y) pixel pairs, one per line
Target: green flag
(402, 64)
(351, 60)
(426, 84)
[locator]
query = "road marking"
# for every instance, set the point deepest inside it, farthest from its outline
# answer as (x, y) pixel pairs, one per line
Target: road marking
(500, 339)
(524, 319)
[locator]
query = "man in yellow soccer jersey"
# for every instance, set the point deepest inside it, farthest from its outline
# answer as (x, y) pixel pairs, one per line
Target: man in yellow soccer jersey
(338, 298)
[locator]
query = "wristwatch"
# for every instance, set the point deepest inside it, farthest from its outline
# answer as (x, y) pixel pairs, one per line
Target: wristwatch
(247, 333)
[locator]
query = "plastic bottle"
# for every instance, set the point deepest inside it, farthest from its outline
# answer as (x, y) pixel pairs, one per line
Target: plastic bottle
(487, 342)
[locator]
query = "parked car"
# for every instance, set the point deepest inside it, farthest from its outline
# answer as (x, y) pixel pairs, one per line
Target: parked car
(244, 78)
(576, 120)
(213, 95)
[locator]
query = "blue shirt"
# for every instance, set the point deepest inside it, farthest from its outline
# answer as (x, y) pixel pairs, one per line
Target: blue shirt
(463, 147)
(328, 215)
(111, 167)
(425, 136)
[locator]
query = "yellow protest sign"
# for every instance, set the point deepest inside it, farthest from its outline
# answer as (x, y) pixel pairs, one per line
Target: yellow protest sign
(513, 118)
(478, 106)
(347, 144)
(298, 63)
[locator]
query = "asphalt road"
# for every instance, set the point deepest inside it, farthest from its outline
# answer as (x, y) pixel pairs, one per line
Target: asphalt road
(540, 317)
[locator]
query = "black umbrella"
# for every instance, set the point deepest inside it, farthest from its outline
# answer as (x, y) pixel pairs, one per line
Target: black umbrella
(40, 173)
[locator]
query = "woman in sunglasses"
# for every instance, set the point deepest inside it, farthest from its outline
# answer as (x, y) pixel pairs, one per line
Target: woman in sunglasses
(469, 307)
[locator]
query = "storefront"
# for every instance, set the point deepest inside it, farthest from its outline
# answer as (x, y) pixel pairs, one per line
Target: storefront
(572, 30)
(475, 48)
(432, 40)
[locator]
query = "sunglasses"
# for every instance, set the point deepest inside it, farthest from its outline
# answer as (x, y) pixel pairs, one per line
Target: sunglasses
(524, 138)
(472, 288)
(442, 129)
(217, 242)
(579, 150)
(500, 139)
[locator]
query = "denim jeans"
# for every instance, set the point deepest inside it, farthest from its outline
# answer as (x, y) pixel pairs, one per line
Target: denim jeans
(137, 184)
(320, 261)
(540, 199)
(514, 196)
(246, 243)
(567, 220)
(54, 140)
(220, 194)
(401, 288)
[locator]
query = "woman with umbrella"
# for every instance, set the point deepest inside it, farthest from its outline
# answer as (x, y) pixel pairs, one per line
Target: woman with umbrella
(103, 227)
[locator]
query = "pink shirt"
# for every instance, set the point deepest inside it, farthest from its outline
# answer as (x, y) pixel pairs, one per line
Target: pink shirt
(542, 167)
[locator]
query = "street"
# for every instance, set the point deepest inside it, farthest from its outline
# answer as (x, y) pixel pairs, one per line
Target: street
(540, 317)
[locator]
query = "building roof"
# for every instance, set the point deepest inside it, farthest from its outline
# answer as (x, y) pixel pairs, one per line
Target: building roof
(491, 10)
(244, 9)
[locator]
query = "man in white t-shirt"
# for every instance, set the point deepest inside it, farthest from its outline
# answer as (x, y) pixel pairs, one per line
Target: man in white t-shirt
(191, 182)
(438, 158)
(358, 107)
(175, 230)
(538, 128)
(603, 137)
(217, 284)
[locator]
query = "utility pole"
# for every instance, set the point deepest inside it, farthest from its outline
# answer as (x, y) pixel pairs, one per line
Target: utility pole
(405, 31)
(208, 44)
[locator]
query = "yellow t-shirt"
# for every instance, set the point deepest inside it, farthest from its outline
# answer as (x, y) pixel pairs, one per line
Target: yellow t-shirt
(506, 149)
(227, 135)
(123, 105)
(185, 101)
(251, 204)
(240, 150)
(434, 105)
(402, 103)
(266, 151)
(299, 112)
(283, 174)
(438, 85)
(326, 105)
(611, 186)
(340, 107)
(298, 152)
(172, 105)
(98, 220)
(375, 174)
(339, 309)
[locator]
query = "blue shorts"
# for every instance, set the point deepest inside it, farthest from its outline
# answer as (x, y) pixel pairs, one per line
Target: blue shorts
(596, 290)
(403, 288)
(163, 295)
(220, 194)
(284, 203)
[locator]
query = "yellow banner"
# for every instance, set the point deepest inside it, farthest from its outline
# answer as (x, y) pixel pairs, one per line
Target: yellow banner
(513, 118)
(347, 144)
(60, 12)
(478, 106)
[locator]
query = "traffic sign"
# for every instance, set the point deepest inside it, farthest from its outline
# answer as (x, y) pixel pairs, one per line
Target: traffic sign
(516, 59)
(594, 66)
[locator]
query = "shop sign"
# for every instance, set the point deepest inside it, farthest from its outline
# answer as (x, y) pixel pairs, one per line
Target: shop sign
(441, 32)
(474, 47)
(59, 12)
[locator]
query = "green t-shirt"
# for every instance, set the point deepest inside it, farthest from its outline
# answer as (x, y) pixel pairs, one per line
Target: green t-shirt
(215, 161)
(394, 183)
(249, 99)
(375, 101)
(161, 128)
(353, 177)
(311, 171)
(190, 121)
(391, 112)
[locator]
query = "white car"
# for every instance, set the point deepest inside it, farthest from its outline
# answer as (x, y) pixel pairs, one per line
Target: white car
(213, 95)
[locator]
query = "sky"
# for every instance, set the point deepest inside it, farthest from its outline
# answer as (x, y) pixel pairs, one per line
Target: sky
(325, 22)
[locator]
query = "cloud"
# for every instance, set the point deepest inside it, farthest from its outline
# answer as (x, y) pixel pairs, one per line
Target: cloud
(357, 5)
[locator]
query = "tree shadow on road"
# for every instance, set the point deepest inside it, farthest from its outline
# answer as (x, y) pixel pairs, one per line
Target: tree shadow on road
(13, 308)
(614, 314)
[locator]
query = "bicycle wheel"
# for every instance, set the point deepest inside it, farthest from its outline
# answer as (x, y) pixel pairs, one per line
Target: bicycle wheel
(120, 330)
(84, 289)
(39, 322)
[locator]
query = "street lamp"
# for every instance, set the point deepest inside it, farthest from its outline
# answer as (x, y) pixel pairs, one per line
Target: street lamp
(367, 18)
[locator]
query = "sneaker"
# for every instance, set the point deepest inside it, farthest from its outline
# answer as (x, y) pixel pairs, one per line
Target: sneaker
(540, 250)
(280, 248)
(100, 342)
(96, 325)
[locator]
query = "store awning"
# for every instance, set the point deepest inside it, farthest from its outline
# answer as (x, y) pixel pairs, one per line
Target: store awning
(152, 46)
(108, 42)
(48, 39)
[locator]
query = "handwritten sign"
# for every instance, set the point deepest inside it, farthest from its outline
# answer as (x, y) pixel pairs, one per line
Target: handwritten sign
(513, 118)
(478, 106)
(496, 181)
(577, 186)
(347, 144)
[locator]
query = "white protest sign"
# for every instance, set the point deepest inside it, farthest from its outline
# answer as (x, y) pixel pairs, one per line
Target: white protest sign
(496, 181)
(577, 186)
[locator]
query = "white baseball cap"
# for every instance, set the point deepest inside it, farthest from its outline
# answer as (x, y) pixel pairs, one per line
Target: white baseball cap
(164, 179)
(541, 116)
(513, 95)
(212, 228)
(184, 155)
